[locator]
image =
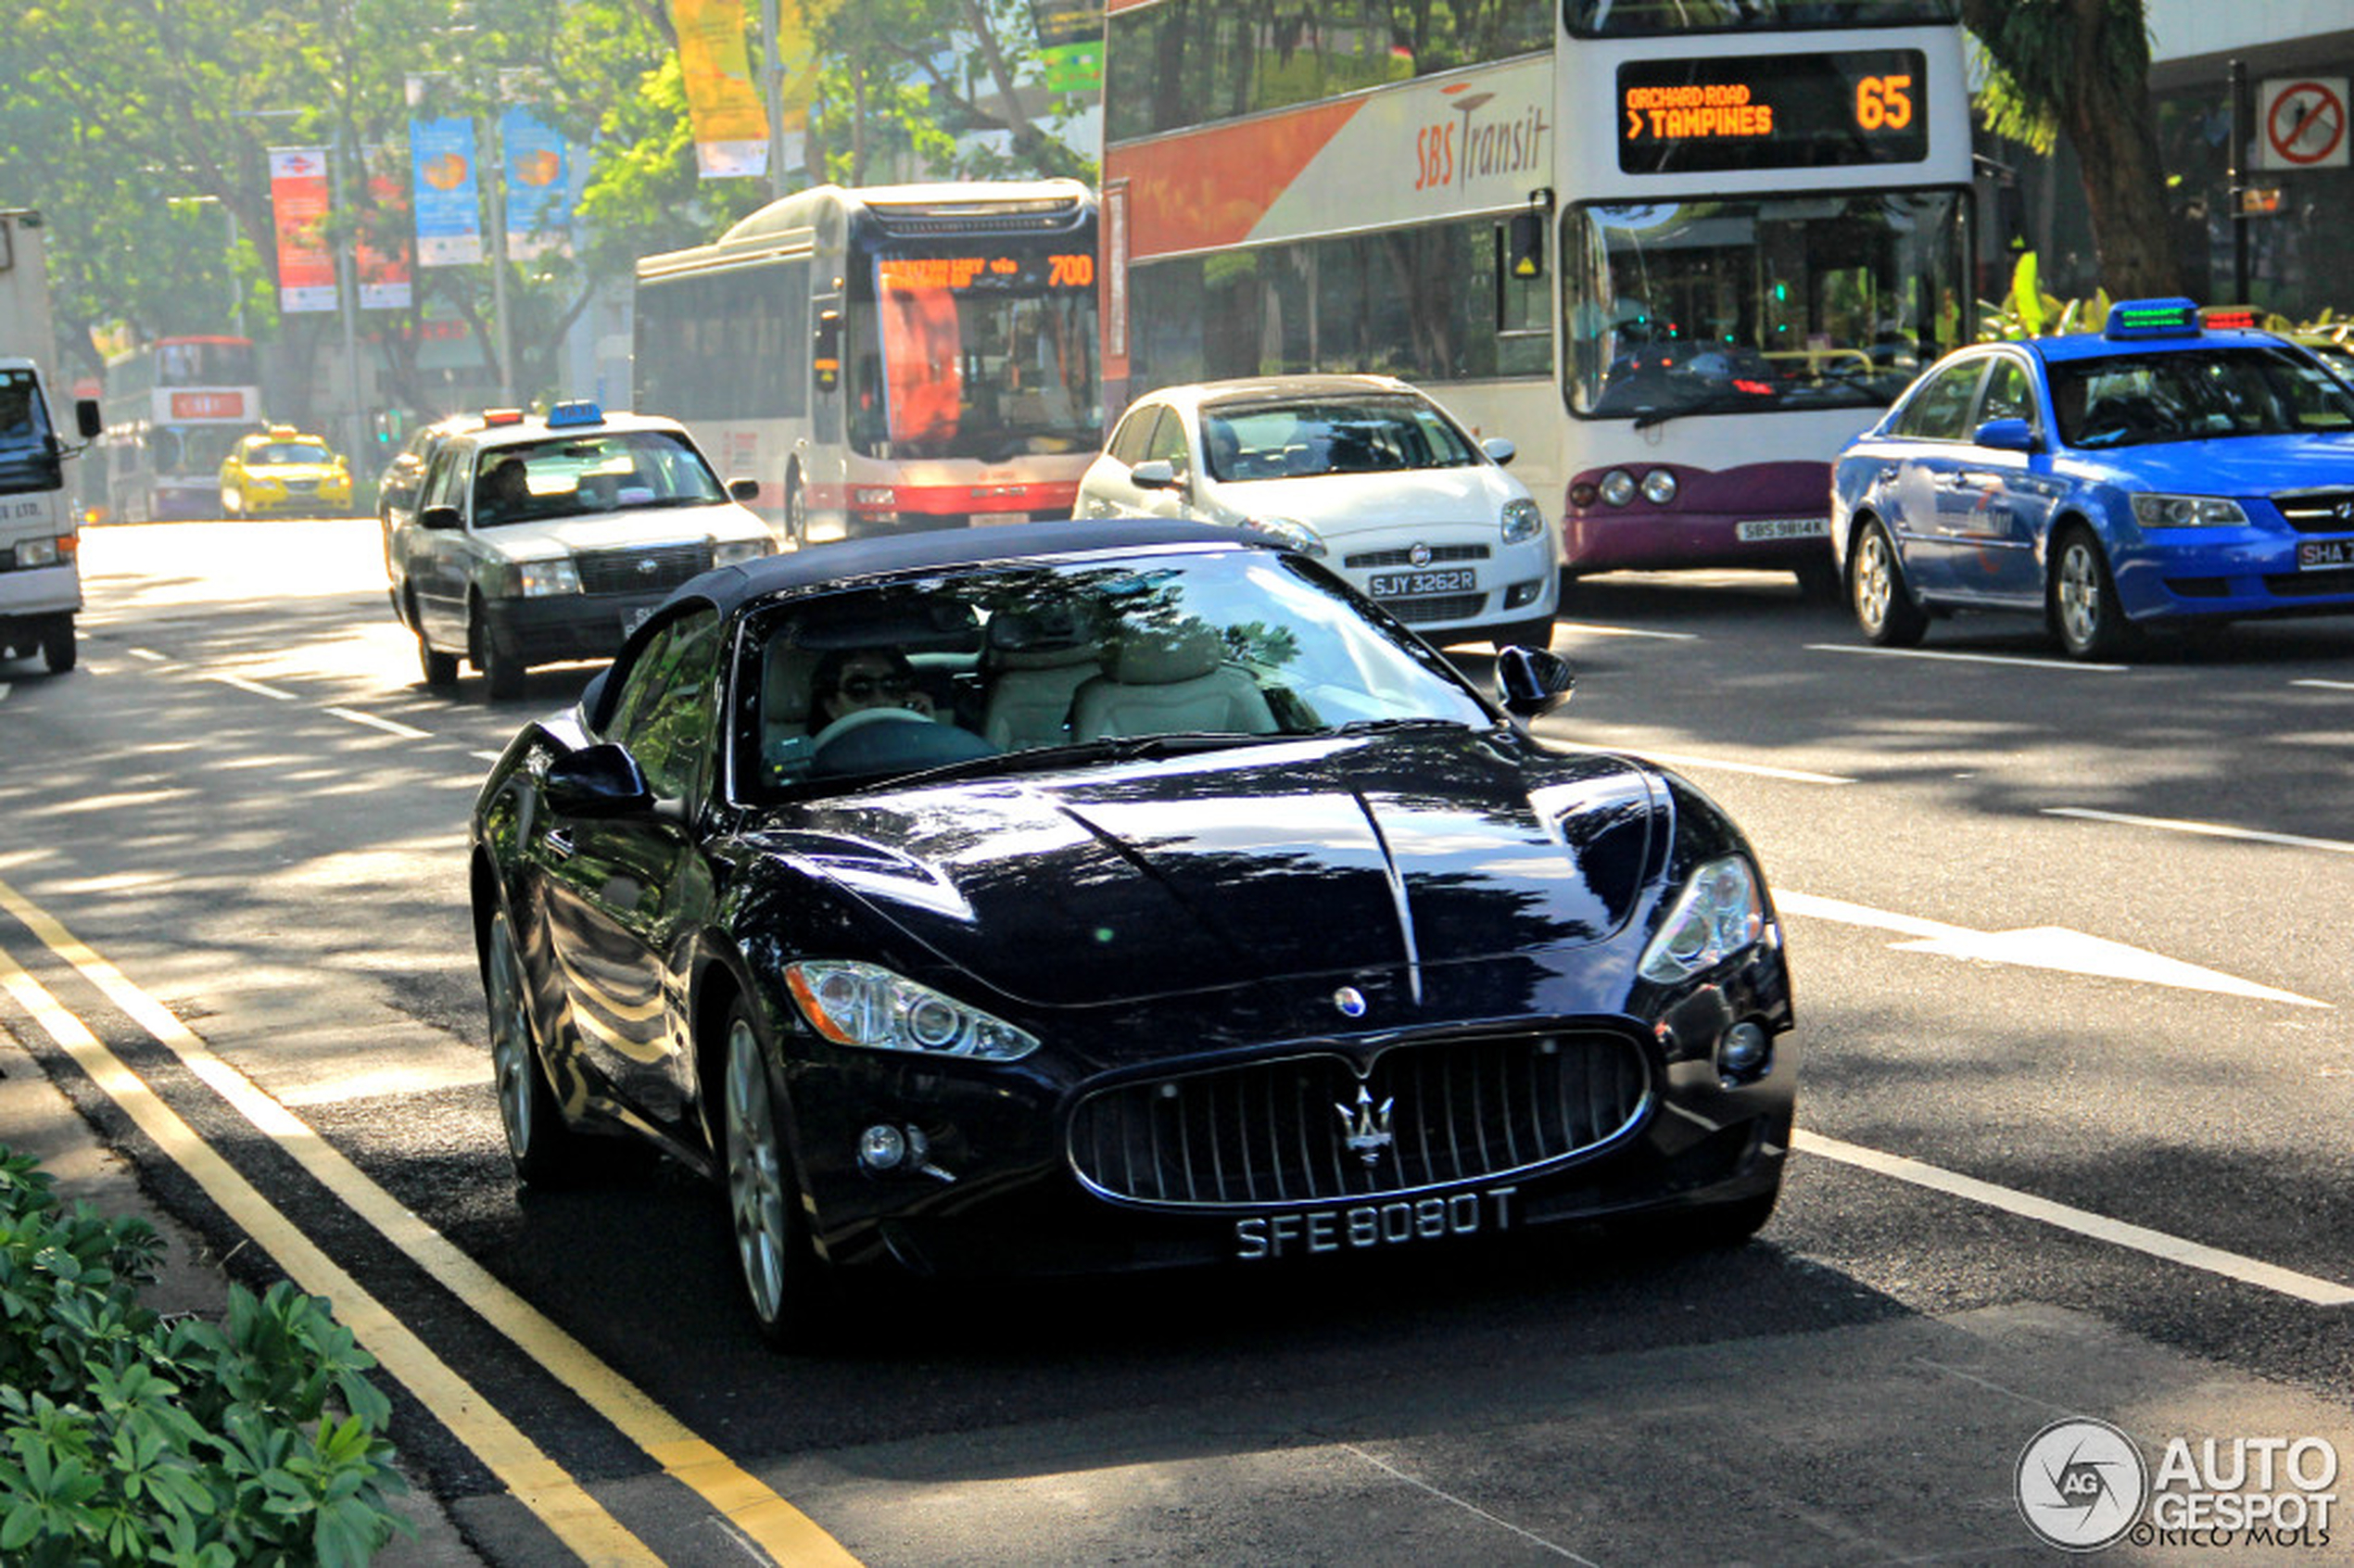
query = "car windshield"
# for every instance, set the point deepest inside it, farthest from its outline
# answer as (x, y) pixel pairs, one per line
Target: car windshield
(1331, 435)
(1013, 669)
(593, 472)
(288, 452)
(2134, 399)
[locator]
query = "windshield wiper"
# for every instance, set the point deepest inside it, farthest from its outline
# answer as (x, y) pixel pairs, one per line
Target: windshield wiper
(1409, 721)
(1714, 402)
(1109, 748)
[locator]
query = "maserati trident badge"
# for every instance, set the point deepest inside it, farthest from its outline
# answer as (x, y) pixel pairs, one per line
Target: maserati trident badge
(1368, 1132)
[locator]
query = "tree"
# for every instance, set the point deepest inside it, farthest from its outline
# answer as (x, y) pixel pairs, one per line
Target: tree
(2082, 68)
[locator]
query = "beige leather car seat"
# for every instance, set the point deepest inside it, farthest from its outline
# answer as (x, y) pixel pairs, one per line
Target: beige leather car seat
(1161, 680)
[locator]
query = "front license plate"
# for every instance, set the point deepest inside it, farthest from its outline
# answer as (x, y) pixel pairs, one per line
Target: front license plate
(1413, 585)
(1365, 1226)
(998, 519)
(631, 621)
(2312, 553)
(1759, 529)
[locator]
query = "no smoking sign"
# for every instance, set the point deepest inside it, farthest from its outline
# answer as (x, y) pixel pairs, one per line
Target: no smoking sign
(2301, 123)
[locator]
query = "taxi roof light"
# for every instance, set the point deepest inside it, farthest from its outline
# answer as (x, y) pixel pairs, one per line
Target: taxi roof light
(575, 411)
(2151, 318)
(493, 418)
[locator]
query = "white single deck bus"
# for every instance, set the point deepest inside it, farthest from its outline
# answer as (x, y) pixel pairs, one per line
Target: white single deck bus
(893, 357)
(1677, 250)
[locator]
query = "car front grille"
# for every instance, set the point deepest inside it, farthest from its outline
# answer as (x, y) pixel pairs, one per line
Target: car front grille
(1378, 558)
(655, 569)
(1280, 1132)
(2318, 512)
(1429, 611)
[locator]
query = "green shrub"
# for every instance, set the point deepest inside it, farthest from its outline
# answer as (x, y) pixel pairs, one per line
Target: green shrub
(126, 1438)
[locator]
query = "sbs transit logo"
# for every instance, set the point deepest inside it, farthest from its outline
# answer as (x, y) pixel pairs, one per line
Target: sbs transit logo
(2081, 1484)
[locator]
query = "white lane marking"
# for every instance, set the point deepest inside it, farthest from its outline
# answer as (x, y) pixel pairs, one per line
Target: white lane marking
(347, 1087)
(254, 686)
(2116, 1233)
(1590, 629)
(1966, 657)
(2203, 829)
(387, 725)
(149, 654)
(1796, 775)
(487, 756)
(2037, 947)
(1471, 1508)
(2326, 685)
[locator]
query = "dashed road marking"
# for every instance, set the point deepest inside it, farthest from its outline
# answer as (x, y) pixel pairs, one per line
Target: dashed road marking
(241, 684)
(2203, 829)
(2068, 664)
(389, 727)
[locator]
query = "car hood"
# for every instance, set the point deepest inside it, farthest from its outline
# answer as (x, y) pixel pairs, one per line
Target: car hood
(623, 530)
(1322, 857)
(1337, 505)
(2236, 466)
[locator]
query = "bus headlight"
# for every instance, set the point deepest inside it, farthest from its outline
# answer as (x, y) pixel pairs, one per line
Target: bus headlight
(1522, 521)
(1618, 487)
(1658, 486)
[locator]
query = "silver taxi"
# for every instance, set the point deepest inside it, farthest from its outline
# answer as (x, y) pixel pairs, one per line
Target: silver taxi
(537, 540)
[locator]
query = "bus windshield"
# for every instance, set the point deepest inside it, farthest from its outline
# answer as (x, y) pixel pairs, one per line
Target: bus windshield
(1830, 300)
(1648, 18)
(961, 360)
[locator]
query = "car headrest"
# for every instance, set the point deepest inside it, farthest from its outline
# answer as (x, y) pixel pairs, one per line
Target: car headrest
(1048, 637)
(1162, 655)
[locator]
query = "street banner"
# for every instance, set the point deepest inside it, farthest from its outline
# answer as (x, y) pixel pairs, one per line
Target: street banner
(298, 209)
(730, 126)
(441, 153)
(380, 253)
(539, 186)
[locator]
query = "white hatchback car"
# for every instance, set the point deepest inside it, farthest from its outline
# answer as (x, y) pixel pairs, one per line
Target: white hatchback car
(1363, 472)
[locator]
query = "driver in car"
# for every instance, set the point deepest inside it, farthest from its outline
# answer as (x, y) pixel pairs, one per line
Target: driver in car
(851, 681)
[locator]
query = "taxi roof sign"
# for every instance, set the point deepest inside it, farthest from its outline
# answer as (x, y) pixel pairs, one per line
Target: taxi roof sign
(2152, 318)
(575, 411)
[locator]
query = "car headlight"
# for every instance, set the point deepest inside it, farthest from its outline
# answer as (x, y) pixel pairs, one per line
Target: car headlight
(1293, 535)
(1522, 521)
(1658, 486)
(1718, 913)
(853, 1003)
(2189, 511)
(733, 553)
(1618, 486)
(537, 580)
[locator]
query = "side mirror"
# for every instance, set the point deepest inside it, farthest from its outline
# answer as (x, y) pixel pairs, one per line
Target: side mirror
(825, 361)
(599, 781)
(87, 419)
(1531, 682)
(2008, 435)
(440, 518)
(1503, 451)
(1155, 473)
(745, 490)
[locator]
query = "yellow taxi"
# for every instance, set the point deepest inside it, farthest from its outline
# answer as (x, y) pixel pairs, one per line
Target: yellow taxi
(282, 471)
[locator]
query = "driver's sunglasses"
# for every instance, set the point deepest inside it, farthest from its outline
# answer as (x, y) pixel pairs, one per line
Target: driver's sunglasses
(859, 688)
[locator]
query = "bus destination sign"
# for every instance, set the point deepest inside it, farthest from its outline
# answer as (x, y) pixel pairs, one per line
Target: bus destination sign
(957, 274)
(1773, 112)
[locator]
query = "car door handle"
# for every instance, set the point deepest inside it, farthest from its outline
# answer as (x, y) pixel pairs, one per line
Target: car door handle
(558, 842)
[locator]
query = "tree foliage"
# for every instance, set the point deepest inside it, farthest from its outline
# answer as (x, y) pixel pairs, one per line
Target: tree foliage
(141, 128)
(2082, 68)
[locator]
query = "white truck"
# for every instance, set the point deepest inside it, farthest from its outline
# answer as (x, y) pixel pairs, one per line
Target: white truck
(40, 578)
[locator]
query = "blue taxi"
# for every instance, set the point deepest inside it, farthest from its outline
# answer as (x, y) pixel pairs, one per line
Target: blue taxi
(2156, 473)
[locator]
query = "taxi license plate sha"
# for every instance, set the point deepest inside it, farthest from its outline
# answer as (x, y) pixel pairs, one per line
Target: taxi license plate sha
(1413, 585)
(1758, 529)
(633, 619)
(998, 519)
(1362, 1227)
(2313, 553)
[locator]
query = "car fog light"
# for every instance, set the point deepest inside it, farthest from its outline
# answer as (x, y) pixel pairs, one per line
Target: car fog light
(1658, 486)
(1522, 594)
(882, 1148)
(1741, 1050)
(1618, 486)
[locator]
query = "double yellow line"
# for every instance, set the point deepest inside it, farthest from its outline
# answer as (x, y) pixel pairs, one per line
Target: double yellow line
(538, 1482)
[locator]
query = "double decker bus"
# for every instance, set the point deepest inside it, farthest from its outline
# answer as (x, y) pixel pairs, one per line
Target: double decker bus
(173, 409)
(1677, 250)
(889, 358)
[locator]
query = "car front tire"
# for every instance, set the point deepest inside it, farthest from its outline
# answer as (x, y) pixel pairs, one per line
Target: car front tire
(502, 668)
(781, 1271)
(2084, 608)
(1884, 611)
(544, 1151)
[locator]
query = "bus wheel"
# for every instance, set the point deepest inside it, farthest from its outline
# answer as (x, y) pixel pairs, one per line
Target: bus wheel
(796, 510)
(57, 644)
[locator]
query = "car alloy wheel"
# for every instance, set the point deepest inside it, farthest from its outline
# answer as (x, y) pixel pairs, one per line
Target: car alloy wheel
(2084, 609)
(440, 669)
(762, 1205)
(1887, 614)
(542, 1148)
